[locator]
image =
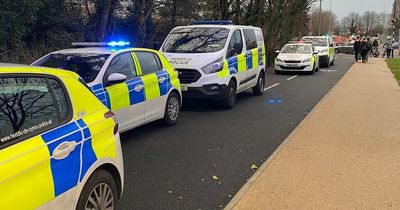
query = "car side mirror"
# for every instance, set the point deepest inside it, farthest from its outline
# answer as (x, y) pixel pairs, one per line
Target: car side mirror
(315, 52)
(116, 78)
(331, 45)
(277, 52)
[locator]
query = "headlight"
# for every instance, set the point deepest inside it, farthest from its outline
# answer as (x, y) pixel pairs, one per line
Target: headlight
(213, 67)
(307, 60)
(278, 60)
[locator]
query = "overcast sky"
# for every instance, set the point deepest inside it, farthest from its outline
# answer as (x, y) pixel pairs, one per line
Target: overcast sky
(342, 8)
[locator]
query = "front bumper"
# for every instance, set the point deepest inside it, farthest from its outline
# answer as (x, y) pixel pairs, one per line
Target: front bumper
(291, 67)
(211, 91)
(324, 59)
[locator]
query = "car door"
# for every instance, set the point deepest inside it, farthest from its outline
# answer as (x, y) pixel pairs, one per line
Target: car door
(236, 58)
(251, 56)
(39, 145)
(127, 98)
(156, 83)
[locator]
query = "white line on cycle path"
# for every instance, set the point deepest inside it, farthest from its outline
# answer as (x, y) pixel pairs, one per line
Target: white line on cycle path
(274, 85)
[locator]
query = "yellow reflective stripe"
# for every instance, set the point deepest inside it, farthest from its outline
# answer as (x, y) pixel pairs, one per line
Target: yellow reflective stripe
(119, 96)
(102, 134)
(151, 88)
(254, 57)
(312, 60)
(264, 57)
(137, 64)
(173, 75)
(225, 70)
(241, 62)
(25, 172)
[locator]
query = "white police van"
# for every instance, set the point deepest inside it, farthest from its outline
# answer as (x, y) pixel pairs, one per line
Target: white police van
(216, 59)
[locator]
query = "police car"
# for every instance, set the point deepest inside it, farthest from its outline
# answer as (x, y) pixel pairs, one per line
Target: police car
(216, 59)
(139, 85)
(59, 145)
(325, 46)
(297, 57)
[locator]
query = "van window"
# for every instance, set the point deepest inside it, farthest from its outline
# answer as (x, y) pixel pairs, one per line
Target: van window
(250, 39)
(196, 40)
(260, 38)
(236, 40)
(149, 62)
(28, 107)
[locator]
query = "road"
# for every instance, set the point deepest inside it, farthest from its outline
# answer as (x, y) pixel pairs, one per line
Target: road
(204, 160)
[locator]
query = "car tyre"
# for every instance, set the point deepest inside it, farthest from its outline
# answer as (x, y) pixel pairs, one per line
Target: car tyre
(100, 183)
(172, 109)
(258, 90)
(230, 96)
(336, 51)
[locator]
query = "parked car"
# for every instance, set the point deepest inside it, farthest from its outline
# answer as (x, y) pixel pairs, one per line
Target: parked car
(59, 145)
(298, 57)
(347, 48)
(138, 85)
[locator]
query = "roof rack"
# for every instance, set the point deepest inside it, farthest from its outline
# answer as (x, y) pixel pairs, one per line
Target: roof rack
(212, 22)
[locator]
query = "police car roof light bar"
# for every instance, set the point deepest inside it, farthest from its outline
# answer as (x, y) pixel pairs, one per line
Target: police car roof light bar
(212, 22)
(101, 44)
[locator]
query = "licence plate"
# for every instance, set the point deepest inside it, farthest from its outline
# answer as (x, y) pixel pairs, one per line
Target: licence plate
(184, 88)
(292, 65)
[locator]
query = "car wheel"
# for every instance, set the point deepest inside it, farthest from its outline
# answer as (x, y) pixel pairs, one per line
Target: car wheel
(336, 51)
(259, 88)
(230, 96)
(172, 109)
(99, 192)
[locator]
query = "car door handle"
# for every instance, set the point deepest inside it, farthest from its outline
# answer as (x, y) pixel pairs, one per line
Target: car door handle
(139, 88)
(64, 149)
(161, 79)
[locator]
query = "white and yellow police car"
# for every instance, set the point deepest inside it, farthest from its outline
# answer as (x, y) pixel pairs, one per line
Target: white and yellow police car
(138, 85)
(216, 59)
(59, 145)
(325, 47)
(297, 57)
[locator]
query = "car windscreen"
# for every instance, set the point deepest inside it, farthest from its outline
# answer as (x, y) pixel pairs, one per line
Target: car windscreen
(196, 40)
(296, 49)
(86, 65)
(316, 41)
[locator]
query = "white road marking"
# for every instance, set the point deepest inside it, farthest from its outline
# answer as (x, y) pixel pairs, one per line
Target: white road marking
(274, 85)
(292, 77)
(327, 70)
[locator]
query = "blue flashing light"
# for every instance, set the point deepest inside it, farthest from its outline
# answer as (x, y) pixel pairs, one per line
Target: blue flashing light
(212, 22)
(118, 44)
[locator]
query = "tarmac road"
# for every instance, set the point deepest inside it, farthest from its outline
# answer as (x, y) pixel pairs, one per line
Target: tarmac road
(204, 160)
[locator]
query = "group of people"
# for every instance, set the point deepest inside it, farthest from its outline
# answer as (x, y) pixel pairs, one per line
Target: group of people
(363, 47)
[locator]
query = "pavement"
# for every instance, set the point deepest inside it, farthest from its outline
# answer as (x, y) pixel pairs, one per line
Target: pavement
(344, 155)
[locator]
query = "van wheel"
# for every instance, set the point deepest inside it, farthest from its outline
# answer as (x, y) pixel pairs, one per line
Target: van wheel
(259, 88)
(230, 96)
(99, 192)
(172, 109)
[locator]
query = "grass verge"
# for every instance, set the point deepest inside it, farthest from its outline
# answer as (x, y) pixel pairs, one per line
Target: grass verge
(394, 65)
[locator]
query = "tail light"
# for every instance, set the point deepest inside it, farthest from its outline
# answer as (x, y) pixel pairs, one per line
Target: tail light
(111, 114)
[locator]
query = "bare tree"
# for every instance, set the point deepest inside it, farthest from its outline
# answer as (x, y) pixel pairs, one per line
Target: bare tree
(370, 20)
(353, 22)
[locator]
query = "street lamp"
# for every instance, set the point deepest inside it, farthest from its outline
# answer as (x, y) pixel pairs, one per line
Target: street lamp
(319, 22)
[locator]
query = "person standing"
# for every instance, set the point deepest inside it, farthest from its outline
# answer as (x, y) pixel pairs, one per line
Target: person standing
(356, 48)
(364, 50)
(389, 48)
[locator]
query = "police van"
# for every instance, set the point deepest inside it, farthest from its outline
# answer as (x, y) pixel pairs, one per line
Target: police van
(325, 47)
(216, 59)
(138, 85)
